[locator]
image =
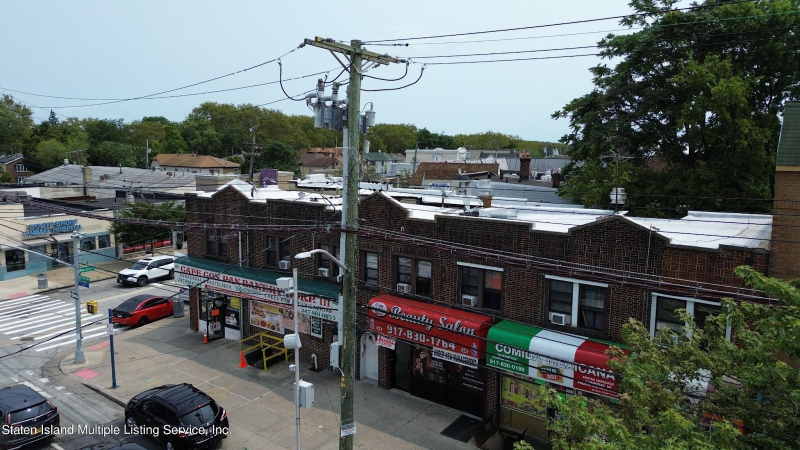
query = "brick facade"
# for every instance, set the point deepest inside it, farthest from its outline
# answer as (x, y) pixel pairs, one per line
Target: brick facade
(785, 247)
(526, 255)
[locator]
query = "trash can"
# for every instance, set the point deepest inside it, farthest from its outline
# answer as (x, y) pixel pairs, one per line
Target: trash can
(42, 281)
(177, 308)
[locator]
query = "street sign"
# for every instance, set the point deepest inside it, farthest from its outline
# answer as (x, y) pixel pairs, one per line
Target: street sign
(83, 283)
(74, 295)
(110, 329)
(84, 279)
(87, 269)
(348, 429)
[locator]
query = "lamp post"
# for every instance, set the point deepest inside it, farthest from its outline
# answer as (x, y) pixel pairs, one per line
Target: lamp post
(348, 326)
(292, 342)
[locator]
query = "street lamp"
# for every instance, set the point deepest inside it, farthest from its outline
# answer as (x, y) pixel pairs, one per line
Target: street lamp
(304, 255)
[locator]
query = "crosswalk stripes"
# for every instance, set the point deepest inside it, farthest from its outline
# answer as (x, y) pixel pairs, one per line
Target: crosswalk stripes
(50, 321)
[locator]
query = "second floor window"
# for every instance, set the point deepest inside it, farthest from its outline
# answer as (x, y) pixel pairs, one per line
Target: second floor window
(665, 313)
(278, 249)
(216, 244)
(371, 268)
(481, 286)
(576, 303)
(19, 168)
(416, 274)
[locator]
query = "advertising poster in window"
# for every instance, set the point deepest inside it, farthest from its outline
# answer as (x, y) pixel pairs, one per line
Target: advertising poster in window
(520, 396)
(266, 317)
(232, 313)
(288, 321)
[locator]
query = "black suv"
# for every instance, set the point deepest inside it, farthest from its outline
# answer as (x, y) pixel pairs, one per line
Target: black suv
(179, 415)
(26, 417)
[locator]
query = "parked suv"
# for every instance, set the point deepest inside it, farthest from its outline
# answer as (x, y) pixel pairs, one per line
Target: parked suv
(146, 269)
(25, 416)
(180, 415)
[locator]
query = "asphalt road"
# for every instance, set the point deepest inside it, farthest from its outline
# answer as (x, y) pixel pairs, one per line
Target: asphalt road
(34, 329)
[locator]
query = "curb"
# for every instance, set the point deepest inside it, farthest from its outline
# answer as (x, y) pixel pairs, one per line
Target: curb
(47, 291)
(105, 394)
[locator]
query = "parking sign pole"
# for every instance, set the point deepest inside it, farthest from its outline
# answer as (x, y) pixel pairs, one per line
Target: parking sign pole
(76, 265)
(111, 345)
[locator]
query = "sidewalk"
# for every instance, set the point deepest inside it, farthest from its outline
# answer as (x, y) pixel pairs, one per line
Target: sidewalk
(260, 405)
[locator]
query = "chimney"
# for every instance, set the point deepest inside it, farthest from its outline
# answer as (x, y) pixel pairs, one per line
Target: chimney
(87, 175)
(524, 166)
(556, 178)
(785, 243)
(484, 190)
(66, 162)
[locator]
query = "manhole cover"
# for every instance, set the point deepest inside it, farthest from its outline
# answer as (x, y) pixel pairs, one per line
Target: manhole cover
(26, 339)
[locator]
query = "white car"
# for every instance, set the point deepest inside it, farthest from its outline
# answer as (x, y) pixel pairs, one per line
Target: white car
(146, 269)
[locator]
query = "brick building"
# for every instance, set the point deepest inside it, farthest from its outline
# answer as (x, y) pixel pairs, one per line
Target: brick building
(785, 257)
(14, 166)
(469, 308)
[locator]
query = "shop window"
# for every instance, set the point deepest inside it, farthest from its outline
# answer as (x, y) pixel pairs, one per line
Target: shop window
(414, 276)
(324, 262)
(216, 244)
(576, 303)
(371, 268)
(665, 313)
(278, 249)
(15, 260)
(481, 287)
(87, 244)
(104, 241)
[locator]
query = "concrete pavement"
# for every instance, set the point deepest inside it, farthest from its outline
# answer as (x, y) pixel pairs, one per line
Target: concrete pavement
(260, 405)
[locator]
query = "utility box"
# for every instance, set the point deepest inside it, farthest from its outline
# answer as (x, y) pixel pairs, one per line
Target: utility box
(92, 307)
(306, 394)
(336, 354)
(42, 280)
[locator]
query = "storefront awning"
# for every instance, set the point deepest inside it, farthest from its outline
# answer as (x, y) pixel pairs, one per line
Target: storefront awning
(454, 335)
(315, 298)
(560, 358)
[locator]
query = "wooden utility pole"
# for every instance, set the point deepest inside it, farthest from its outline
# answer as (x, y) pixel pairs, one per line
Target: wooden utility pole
(356, 56)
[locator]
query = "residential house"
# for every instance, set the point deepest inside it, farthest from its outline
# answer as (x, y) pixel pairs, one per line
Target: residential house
(321, 160)
(193, 163)
(14, 166)
(451, 175)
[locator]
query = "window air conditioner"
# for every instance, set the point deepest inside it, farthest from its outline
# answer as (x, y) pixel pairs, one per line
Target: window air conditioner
(404, 288)
(560, 319)
(469, 300)
(284, 265)
(323, 272)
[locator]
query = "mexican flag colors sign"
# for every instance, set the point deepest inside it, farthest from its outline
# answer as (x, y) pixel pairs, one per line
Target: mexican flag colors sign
(560, 358)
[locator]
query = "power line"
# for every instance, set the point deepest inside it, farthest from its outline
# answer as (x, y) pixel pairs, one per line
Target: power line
(574, 22)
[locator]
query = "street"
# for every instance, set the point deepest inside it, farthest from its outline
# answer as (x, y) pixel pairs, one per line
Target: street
(47, 323)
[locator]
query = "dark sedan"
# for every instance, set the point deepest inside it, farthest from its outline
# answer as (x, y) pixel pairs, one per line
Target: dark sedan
(27, 417)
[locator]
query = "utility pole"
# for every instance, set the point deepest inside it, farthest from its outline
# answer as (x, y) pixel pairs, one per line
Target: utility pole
(355, 55)
(253, 147)
(76, 265)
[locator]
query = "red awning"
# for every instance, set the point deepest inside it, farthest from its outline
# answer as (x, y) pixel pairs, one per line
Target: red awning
(455, 335)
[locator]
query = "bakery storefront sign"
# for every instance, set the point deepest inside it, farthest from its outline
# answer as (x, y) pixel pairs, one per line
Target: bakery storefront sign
(308, 304)
(454, 335)
(560, 358)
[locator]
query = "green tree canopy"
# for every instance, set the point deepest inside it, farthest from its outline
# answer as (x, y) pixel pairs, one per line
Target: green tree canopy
(276, 155)
(16, 121)
(753, 388)
(700, 89)
(50, 153)
(130, 234)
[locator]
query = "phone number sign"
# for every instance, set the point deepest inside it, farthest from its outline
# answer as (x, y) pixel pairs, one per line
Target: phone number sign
(456, 336)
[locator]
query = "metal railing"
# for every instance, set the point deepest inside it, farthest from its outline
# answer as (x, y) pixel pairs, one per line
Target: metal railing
(266, 342)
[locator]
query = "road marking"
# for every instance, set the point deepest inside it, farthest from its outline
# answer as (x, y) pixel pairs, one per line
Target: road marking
(22, 308)
(67, 320)
(44, 380)
(37, 389)
(9, 304)
(22, 313)
(23, 299)
(15, 379)
(56, 446)
(85, 337)
(46, 317)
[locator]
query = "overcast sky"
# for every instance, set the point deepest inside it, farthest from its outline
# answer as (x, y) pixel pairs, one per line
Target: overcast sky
(114, 50)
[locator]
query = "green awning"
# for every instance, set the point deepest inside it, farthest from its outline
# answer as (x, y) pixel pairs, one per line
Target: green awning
(320, 288)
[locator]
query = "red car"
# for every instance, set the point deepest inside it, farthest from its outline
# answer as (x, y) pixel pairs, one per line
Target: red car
(141, 309)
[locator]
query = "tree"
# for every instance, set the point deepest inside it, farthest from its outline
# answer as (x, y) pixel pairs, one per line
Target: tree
(173, 141)
(753, 388)
(53, 119)
(702, 90)
(51, 153)
(16, 121)
(426, 139)
(131, 233)
(114, 154)
(5, 177)
(277, 155)
(393, 138)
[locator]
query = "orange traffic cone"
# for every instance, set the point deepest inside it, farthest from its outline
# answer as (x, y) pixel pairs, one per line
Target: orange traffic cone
(243, 363)
(205, 337)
